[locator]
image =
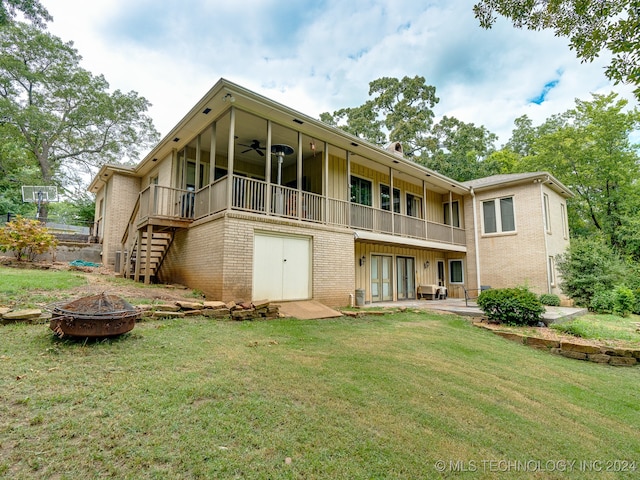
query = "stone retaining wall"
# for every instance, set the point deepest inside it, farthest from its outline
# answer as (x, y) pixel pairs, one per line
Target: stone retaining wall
(611, 355)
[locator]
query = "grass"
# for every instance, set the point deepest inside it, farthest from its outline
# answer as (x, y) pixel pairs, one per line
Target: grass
(602, 327)
(376, 397)
(17, 286)
(373, 397)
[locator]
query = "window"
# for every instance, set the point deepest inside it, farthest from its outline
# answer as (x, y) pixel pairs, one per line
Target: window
(563, 215)
(414, 206)
(455, 213)
(385, 199)
(498, 215)
(360, 191)
(552, 272)
(547, 220)
(456, 273)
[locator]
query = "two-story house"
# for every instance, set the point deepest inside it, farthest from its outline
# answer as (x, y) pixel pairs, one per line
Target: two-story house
(248, 199)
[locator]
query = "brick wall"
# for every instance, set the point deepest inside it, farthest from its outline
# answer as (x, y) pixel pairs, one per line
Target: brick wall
(216, 257)
(121, 196)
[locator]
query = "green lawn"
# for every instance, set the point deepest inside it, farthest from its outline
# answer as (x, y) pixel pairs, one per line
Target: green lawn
(384, 397)
(17, 285)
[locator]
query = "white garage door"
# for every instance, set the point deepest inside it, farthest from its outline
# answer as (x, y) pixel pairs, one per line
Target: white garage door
(281, 267)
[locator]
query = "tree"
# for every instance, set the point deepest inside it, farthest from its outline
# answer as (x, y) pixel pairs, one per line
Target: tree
(591, 26)
(30, 9)
(67, 120)
(588, 148)
(401, 111)
(459, 150)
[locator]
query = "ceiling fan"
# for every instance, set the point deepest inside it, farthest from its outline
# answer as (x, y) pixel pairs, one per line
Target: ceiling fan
(255, 145)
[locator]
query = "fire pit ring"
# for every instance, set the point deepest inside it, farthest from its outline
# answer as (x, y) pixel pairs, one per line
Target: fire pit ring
(100, 315)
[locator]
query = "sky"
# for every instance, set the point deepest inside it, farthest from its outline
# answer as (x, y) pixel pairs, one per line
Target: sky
(320, 55)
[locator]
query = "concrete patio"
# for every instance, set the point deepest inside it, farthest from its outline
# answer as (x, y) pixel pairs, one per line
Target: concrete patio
(459, 307)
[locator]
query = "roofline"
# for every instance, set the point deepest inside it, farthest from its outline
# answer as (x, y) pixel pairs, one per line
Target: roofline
(357, 144)
(106, 172)
(546, 178)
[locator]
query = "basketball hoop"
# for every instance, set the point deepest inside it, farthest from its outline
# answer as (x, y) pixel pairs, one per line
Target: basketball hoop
(40, 195)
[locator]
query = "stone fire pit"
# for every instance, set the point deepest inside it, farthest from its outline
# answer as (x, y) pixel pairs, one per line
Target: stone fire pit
(94, 316)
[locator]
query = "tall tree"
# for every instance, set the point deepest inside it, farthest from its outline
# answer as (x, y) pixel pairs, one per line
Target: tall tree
(459, 150)
(400, 111)
(589, 149)
(591, 26)
(68, 120)
(31, 9)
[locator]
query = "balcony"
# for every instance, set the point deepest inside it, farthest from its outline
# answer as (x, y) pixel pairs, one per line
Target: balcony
(165, 206)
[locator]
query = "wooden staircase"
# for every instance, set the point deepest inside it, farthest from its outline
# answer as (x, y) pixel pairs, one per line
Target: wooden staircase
(152, 252)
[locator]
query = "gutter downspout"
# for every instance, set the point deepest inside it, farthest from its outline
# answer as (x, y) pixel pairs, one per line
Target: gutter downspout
(475, 236)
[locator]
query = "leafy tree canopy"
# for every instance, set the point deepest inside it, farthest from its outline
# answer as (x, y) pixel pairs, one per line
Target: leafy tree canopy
(591, 26)
(588, 148)
(400, 111)
(58, 114)
(31, 9)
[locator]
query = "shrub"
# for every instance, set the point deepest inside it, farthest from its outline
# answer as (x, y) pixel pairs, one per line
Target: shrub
(590, 266)
(550, 299)
(625, 301)
(513, 306)
(603, 301)
(27, 238)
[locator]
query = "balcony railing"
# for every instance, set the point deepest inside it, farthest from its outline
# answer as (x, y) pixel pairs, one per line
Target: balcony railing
(257, 196)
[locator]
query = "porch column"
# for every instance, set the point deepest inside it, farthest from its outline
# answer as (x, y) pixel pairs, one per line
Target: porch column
(232, 143)
(267, 173)
(349, 187)
(136, 272)
(212, 163)
(424, 208)
(392, 209)
(198, 158)
(325, 182)
(299, 179)
(451, 214)
(147, 267)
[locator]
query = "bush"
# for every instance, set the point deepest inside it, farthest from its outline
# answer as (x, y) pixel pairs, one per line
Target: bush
(550, 299)
(590, 266)
(513, 306)
(27, 238)
(603, 301)
(625, 301)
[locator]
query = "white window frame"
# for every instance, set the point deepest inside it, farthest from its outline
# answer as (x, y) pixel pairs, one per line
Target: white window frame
(498, 216)
(453, 260)
(546, 213)
(417, 202)
(563, 215)
(552, 271)
(455, 211)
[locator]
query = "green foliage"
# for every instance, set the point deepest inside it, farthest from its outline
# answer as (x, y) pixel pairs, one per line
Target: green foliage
(400, 111)
(625, 301)
(591, 27)
(550, 299)
(513, 306)
(601, 327)
(588, 148)
(30, 9)
(590, 265)
(64, 119)
(27, 238)
(603, 301)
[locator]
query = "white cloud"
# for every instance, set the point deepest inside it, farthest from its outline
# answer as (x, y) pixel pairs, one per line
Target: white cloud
(320, 56)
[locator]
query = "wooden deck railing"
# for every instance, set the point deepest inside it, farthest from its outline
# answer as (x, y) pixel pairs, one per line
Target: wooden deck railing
(257, 196)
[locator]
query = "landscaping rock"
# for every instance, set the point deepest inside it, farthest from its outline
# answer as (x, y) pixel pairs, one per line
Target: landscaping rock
(542, 343)
(573, 354)
(4, 310)
(167, 314)
(168, 307)
(214, 305)
(623, 361)
(579, 348)
(599, 358)
(189, 305)
(21, 315)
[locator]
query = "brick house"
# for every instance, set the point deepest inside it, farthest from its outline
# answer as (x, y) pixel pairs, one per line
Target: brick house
(248, 199)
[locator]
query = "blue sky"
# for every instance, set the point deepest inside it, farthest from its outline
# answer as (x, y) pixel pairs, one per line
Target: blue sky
(317, 56)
